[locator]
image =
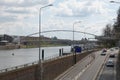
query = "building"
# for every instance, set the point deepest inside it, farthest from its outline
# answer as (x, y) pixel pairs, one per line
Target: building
(4, 39)
(32, 41)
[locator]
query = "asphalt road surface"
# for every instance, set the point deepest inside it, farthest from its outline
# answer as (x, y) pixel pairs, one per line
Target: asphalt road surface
(109, 73)
(86, 69)
(91, 69)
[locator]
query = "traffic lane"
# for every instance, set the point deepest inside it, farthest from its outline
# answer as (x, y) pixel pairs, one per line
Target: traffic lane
(76, 69)
(90, 73)
(109, 73)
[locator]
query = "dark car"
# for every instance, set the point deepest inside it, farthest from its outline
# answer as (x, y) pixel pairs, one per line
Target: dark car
(112, 55)
(104, 50)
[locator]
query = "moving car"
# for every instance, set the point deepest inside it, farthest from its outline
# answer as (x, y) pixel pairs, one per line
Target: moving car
(117, 48)
(103, 53)
(110, 63)
(112, 55)
(112, 49)
(104, 50)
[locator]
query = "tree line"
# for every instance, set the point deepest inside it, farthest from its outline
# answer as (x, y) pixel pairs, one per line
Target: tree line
(112, 33)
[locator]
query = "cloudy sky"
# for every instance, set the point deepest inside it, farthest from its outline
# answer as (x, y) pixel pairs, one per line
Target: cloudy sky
(21, 17)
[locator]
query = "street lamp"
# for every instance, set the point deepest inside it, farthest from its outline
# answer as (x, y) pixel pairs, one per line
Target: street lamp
(40, 36)
(73, 41)
(73, 29)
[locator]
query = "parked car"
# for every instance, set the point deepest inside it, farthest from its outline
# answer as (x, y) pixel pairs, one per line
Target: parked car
(110, 63)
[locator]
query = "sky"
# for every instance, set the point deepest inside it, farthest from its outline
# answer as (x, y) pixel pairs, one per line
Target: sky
(21, 17)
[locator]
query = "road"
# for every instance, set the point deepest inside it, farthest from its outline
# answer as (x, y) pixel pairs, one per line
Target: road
(74, 72)
(108, 73)
(84, 71)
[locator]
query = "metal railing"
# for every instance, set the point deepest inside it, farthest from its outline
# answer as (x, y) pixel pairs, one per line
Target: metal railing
(18, 67)
(30, 64)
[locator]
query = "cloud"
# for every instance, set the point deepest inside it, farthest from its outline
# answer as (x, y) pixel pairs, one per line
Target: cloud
(4, 19)
(80, 8)
(17, 11)
(21, 16)
(18, 28)
(19, 3)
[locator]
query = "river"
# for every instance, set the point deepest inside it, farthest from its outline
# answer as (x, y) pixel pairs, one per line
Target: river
(11, 58)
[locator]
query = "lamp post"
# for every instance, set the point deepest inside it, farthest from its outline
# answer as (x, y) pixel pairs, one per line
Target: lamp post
(40, 38)
(73, 41)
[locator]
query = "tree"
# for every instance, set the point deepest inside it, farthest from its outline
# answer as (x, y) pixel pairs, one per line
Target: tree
(116, 26)
(107, 32)
(54, 38)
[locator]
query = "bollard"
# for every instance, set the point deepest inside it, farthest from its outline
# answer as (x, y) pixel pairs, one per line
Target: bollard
(42, 54)
(62, 51)
(60, 54)
(75, 58)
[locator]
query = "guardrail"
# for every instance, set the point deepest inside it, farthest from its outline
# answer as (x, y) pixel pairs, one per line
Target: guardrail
(30, 64)
(18, 67)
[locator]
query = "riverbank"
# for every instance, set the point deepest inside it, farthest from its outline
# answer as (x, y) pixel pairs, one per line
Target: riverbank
(32, 71)
(9, 47)
(14, 46)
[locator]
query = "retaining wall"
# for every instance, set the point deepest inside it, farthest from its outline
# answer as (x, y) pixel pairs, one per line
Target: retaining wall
(50, 69)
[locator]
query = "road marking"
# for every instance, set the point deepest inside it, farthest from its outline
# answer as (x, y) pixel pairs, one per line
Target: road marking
(76, 77)
(100, 68)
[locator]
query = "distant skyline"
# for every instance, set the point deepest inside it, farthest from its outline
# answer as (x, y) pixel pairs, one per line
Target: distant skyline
(21, 17)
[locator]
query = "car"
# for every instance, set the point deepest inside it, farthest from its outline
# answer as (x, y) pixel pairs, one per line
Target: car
(112, 55)
(112, 49)
(103, 53)
(110, 63)
(116, 48)
(104, 50)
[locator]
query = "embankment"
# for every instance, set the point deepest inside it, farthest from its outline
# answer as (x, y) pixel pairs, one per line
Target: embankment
(50, 68)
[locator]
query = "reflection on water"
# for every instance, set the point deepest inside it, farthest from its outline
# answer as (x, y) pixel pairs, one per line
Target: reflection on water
(11, 58)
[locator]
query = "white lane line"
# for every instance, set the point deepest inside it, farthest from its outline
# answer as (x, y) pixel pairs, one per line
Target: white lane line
(97, 76)
(79, 74)
(87, 66)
